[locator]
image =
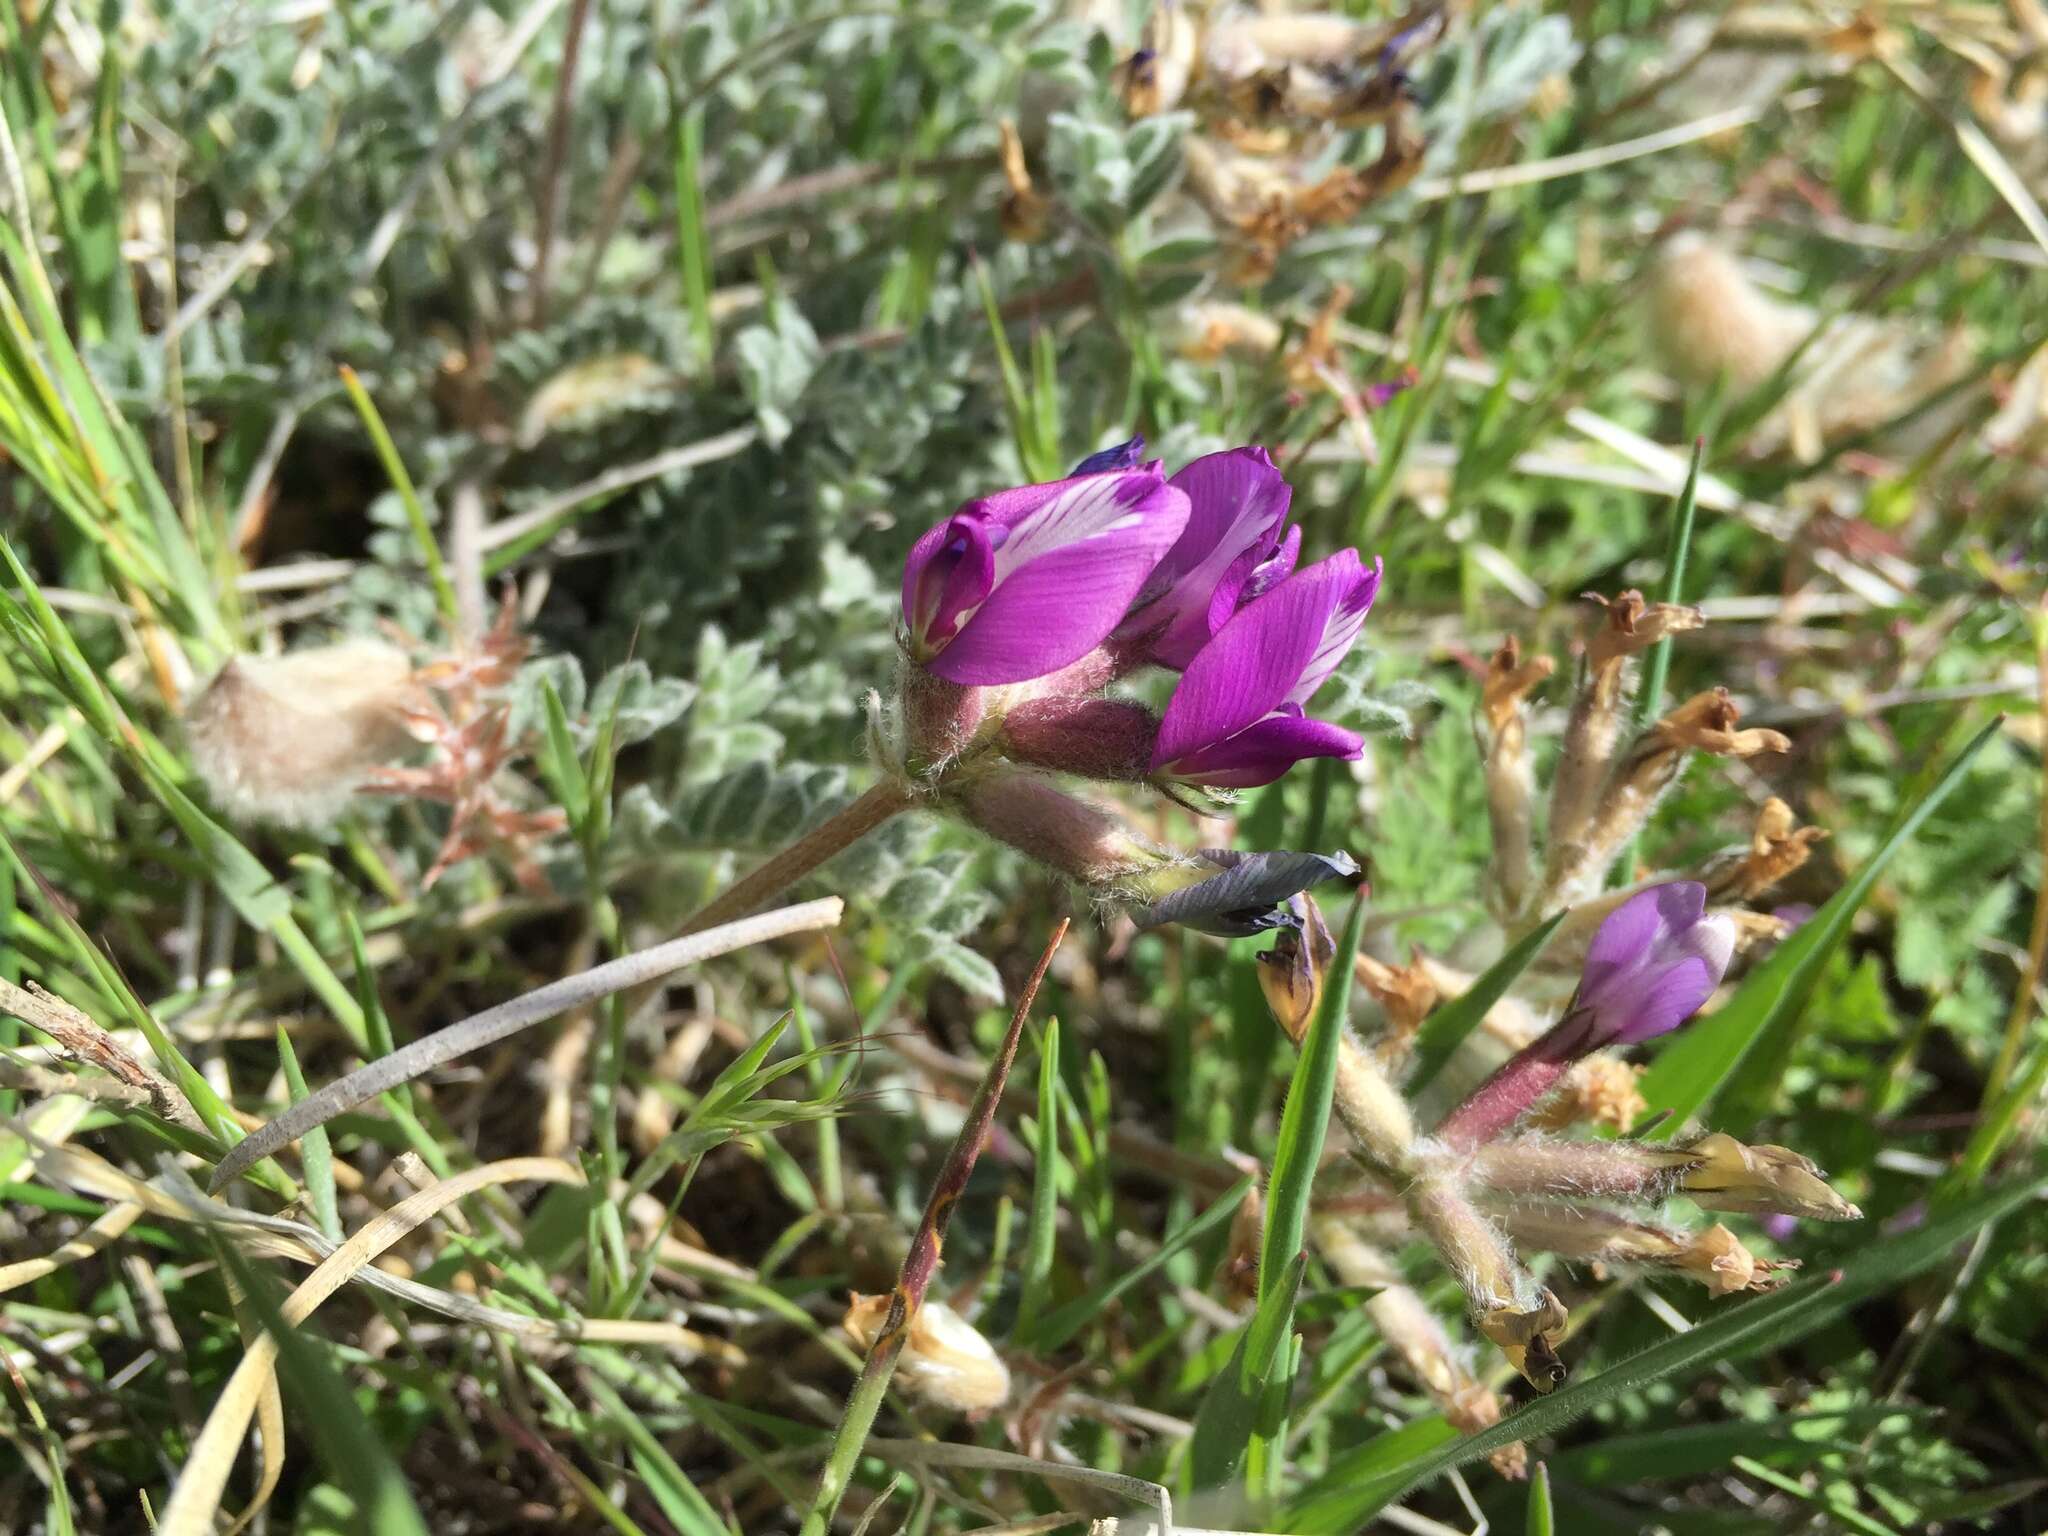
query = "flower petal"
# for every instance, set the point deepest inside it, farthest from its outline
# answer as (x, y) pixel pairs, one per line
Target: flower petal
(1342, 630)
(1654, 962)
(1123, 455)
(1245, 898)
(1248, 670)
(1065, 571)
(1237, 502)
(1264, 750)
(948, 572)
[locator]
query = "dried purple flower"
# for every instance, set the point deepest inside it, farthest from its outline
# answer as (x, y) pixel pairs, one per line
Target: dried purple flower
(1249, 894)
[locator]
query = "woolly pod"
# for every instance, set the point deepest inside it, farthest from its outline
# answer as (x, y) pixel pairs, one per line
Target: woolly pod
(290, 739)
(945, 1360)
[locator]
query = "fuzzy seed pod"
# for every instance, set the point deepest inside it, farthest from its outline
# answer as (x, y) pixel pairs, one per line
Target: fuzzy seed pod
(1710, 319)
(1715, 1257)
(289, 739)
(945, 1360)
(1408, 1325)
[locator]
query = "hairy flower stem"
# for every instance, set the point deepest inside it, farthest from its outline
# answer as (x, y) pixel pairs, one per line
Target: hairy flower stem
(826, 841)
(920, 1265)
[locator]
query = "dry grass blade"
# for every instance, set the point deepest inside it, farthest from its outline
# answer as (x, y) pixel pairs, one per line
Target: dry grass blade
(495, 1024)
(79, 1038)
(110, 1225)
(195, 1501)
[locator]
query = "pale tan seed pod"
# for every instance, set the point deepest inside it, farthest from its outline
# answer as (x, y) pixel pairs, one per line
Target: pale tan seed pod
(289, 739)
(1709, 318)
(945, 1360)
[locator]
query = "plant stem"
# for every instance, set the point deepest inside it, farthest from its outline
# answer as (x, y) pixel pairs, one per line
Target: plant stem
(2023, 999)
(921, 1264)
(830, 838)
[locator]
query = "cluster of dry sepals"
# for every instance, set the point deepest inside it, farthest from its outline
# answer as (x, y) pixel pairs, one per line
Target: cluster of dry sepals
(1606, 783)
(1268, 91)
(1535, 1188)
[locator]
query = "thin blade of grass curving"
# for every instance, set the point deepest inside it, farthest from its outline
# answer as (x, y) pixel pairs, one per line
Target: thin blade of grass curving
(921, 1263)
(1355, 1487)
(195, 1501)
(1445, 1029)
(1738, 1048)
(494, 1024)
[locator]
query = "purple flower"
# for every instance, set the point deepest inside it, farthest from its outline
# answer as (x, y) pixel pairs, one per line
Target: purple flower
(1249, 896)
(1653, 964)
(1027, 581)
(1237, 720)
(1230, 551)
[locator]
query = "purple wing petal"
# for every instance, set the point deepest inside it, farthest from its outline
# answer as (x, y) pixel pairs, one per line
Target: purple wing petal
(1246, 672)
(1237, 502)
(1276, 568)
(1064, 578)
(1263, 751)
(1660, 1001)
(1622, 944)
(949, 570)
(1345, 621)
(1124, 455)
(1245, 898)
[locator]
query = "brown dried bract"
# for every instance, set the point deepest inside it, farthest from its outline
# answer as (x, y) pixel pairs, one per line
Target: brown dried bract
(1025, 210)
(1706, 723)
(1510, 680)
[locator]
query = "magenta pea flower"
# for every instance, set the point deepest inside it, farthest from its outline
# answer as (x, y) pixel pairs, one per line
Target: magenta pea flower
(1017, 585)
(1652, 965)
(1238, 718)
(1230, 551)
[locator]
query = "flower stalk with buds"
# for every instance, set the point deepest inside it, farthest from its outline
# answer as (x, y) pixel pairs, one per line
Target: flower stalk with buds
(1483, 1186)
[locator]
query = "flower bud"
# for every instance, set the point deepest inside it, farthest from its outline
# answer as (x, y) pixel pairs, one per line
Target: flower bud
(944, 1360)
(289, 739)
(1654, 962)
(1291, 973)
(1725, 1175)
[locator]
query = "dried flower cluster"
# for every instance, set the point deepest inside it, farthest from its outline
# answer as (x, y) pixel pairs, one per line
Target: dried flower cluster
(1492, 1178)
(1269, 92)
(293, 739)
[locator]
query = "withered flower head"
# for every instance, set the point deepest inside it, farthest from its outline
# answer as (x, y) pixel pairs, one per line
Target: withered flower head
(945, 1360)
(289, 739)
(1726, 1175)
(1633, 626)
(1024, 207)
(1706, 723)
(1292, 972)
(1529, 1338)
(1510, 680)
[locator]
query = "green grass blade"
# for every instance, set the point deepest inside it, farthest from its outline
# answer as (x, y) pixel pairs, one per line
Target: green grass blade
(315, 1155)
(1064, 1322)
(1540, 1519)
(1445, 1030)
(1042, 1231)
(408, 495)
(1740, 1049)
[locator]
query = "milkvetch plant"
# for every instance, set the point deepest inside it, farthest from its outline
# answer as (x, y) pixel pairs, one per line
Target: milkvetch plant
(1023, 610)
